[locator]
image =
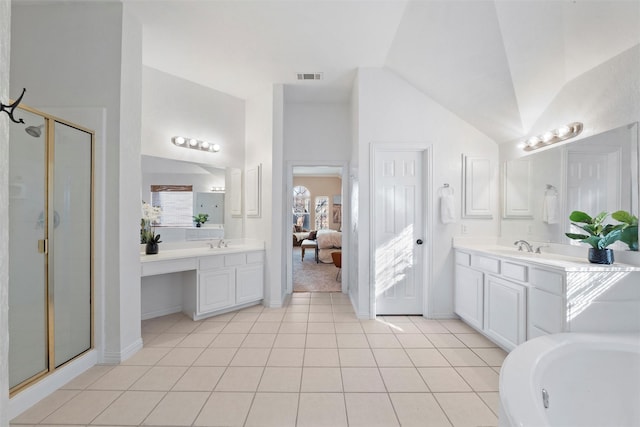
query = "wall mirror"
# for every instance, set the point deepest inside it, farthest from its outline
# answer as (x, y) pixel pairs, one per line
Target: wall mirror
(207, 184)
(594, 174)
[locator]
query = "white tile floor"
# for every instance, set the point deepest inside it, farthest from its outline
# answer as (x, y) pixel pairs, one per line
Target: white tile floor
(312, 363)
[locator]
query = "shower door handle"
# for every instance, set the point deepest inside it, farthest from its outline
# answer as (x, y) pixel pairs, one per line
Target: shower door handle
(43, 246)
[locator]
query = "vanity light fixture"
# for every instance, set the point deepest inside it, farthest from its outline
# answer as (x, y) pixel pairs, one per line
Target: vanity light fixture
(181, 141)
(553, 136)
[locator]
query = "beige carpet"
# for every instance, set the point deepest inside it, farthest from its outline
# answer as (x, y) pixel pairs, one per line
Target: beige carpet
(311, 277)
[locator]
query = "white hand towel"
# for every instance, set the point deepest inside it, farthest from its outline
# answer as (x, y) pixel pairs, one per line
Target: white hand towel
(447, 209)
(550, 209)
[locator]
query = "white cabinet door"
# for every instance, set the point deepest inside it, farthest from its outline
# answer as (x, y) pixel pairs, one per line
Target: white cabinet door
(249, 283)
(469, 293)
(216, 289)
(504, 315)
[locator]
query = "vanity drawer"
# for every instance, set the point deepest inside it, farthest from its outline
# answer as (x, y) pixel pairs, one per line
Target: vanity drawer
(491, 265)
(168, 266)
(515, 271)
(255, 257)
(463, 258)
(547, 280)
(235, 259)
(210, 262)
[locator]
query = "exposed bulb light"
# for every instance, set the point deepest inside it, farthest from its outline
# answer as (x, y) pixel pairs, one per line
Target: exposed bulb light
(532, 141)
(553, 136)
(563, 131)
(181, 141)
(548, 136)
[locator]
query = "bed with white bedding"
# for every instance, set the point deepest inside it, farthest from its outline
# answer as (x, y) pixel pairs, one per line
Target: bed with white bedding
(328, 241)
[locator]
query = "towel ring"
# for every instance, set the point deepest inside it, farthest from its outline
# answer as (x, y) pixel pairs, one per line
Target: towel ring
(445, 190)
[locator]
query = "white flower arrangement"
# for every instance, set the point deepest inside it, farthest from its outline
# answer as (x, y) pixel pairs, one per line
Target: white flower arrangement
(151, 213)
(150, 216)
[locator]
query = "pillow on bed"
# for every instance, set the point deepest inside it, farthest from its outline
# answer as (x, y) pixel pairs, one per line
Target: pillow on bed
(312, 235)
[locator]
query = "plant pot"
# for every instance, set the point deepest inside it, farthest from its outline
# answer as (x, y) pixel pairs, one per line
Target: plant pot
(152, 248)
(600, 256)
(198, 225)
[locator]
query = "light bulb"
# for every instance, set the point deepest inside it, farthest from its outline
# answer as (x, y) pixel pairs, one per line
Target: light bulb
(204, 145)
(563, 131)
(216, 147)
(178, 140)
(548, 136)
(533, 141)
(193, 142)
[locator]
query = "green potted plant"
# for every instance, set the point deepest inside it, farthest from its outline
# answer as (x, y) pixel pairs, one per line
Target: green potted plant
(200, 219)
(152, 240)
(600, 235)
(148, 236)
(629, 233)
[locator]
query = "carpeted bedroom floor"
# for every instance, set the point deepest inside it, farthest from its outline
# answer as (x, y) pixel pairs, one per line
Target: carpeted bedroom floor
(311, 277)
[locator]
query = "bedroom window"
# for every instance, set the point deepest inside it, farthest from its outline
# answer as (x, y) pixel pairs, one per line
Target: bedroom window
(322, 212)
(301, 200)
(176, 202)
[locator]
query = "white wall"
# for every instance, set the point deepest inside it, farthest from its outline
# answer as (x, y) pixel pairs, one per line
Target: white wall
(5, 38)
(264, 146)
(130, 175)
(603, 98)
(391, 110)
(316, 131)
(172, 106)
(75, 61)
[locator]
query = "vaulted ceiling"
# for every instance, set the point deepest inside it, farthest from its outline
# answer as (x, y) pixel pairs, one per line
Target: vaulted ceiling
(495, 64)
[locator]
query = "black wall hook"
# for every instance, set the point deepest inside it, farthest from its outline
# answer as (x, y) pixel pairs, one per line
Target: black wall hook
(10, 109)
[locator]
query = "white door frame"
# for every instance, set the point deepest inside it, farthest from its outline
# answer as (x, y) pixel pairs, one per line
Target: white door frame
(427, 203)
(346, 217)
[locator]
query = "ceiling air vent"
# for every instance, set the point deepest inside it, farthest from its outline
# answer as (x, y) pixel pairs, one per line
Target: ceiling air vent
(309, 76)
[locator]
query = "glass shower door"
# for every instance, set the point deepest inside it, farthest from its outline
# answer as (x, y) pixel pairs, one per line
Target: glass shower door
(70, 257)
(28, 331)
(50, 246)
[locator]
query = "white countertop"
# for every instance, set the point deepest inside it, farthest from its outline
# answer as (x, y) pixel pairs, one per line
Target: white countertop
(202, 249)
(567, 263)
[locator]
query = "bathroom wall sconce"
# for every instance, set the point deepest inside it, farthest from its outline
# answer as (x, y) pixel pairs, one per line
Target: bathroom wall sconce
(217, 189)
(195, 144)
(553, 136)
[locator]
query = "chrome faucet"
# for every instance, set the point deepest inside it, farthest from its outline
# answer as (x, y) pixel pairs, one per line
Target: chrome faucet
(222, 243)
(521, 243)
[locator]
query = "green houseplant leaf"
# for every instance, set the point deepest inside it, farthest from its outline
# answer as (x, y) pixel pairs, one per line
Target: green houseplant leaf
(599, 235)
(629, 234)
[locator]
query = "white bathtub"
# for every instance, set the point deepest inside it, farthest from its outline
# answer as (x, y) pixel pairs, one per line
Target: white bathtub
(589, 379)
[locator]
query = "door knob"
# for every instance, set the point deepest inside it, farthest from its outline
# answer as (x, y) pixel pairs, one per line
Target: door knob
(419, 241)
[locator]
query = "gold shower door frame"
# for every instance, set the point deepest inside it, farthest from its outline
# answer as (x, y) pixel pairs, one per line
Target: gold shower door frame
(43, 246)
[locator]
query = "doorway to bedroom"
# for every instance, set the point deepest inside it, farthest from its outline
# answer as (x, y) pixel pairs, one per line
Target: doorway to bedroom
(316, 228)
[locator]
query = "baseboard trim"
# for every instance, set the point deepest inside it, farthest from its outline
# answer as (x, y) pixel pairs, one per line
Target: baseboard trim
(117, 357)
(162, 312)
(43, 388)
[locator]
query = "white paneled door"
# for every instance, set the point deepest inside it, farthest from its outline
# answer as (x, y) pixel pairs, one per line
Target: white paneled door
(398, 231)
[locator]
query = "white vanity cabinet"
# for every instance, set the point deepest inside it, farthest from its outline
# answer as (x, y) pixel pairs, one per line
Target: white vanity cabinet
(511, 299)
(469, 295)
(505, 311)
(491, 302)
(250, 279)
(227, 281)
(216, 290)
(201, 284)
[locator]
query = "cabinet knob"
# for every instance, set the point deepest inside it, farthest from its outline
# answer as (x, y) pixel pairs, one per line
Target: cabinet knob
(419, 241)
